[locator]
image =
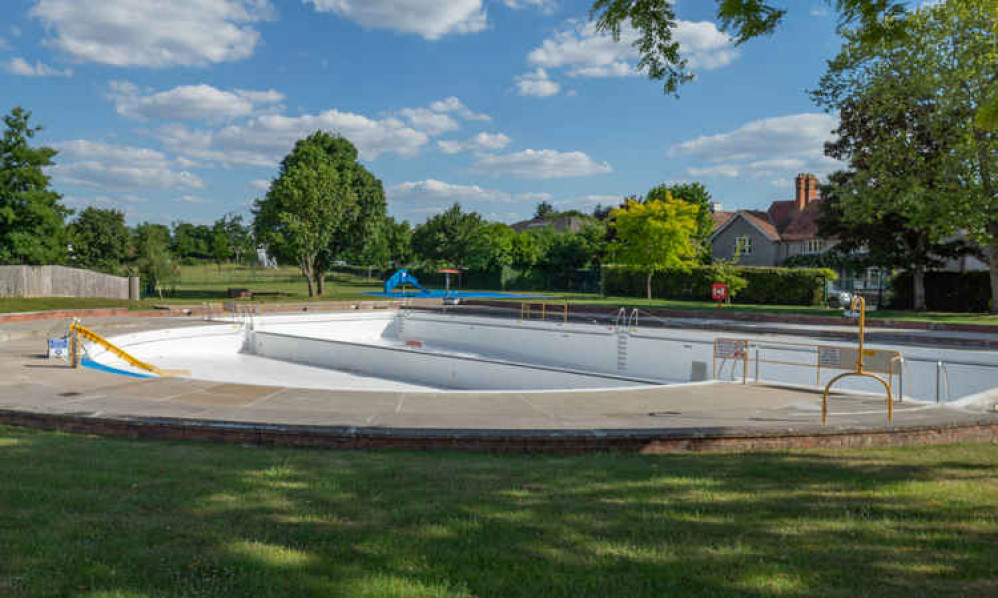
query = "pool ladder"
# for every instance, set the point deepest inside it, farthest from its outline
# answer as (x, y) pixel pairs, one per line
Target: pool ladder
(625, 324)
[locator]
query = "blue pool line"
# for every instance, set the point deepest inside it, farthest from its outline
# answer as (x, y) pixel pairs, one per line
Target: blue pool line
(90, 363)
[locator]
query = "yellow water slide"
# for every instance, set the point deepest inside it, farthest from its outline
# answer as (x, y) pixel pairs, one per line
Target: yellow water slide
(81, 331)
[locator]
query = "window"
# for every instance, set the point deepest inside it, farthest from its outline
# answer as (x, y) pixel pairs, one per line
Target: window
(814, 246)
(743, 245)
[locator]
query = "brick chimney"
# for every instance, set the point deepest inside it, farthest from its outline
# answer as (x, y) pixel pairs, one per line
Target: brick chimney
(806, 189)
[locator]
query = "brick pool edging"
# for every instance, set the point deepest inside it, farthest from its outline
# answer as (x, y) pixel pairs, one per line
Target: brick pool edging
(499, 441)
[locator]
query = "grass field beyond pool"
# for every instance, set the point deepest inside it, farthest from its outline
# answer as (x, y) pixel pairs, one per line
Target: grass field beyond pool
(85, 516)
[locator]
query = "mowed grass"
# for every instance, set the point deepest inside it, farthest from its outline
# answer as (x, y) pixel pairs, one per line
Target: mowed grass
(200, 283)
(207, 282)
(86, 516)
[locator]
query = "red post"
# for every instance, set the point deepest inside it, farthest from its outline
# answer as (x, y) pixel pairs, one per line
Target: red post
(719, 292)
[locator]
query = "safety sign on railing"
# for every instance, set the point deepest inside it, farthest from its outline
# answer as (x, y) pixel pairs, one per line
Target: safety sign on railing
(730, 349)
(845, 358)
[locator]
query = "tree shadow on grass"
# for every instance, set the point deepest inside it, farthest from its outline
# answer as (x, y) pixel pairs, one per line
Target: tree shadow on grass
(190, 519)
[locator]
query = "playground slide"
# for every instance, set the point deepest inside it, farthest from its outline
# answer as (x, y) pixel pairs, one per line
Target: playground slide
(401, 277)
(90, 335)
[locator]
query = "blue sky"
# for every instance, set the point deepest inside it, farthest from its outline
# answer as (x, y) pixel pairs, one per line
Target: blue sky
(182, 112)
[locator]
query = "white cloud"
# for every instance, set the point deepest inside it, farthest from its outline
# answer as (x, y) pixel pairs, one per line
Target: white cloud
(263, 140)
(767, 147)
(3, 44)
(191, 102)
(480, 142)
(153, 34)
(19, 66)
(425, 119)
(720, 170)
(430, 19)
(819, 11)
(545, 6)
(446, 193)
(103, 165)
(193, 199)
(260, 184)
(541, 164)
(452, 104)
(583, 52)
(536, 84)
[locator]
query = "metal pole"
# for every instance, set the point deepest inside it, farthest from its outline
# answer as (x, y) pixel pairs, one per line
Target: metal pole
(757, 364)
(939, 367)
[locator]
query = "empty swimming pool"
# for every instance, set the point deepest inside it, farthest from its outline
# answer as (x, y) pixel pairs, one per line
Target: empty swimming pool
(414, 351)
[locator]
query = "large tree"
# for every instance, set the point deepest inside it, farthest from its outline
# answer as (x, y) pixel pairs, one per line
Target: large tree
(656, 235)
(364, 220)
(446, 238)
(308, 205)
(910, 131)
(695, 194)
(32, 220)
(99, 240)
(152, 256)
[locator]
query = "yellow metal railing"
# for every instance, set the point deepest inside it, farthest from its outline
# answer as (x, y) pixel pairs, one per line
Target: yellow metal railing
(860, 372)
(78, 331)
(527, 308)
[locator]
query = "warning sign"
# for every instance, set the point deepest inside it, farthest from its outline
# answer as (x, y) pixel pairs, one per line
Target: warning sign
(730, 349)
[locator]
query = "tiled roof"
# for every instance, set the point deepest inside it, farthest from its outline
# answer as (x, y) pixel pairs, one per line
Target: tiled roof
(761, 220)
(803, 225)
(720, 218)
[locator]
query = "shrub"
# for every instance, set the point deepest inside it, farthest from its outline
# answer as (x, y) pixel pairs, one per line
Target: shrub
(788, 286)
(946, 291)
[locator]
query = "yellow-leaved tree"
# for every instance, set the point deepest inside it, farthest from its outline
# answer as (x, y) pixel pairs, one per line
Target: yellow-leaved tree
(656, 235)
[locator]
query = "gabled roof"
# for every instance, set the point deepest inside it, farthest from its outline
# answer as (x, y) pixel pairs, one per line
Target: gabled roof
(754, 217)
(781, 222)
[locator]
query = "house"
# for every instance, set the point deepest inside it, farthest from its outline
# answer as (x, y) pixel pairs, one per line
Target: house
(769, 237)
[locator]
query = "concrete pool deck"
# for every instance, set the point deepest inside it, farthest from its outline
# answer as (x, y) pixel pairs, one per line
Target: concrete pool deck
(48, 394)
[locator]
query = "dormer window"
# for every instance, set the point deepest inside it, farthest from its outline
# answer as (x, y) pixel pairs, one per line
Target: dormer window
(743, 245)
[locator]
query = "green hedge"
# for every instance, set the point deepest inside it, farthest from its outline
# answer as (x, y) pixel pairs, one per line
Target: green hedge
(946, 291)
(786, 286)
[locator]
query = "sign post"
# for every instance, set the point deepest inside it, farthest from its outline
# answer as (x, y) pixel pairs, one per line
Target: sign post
(719, 292)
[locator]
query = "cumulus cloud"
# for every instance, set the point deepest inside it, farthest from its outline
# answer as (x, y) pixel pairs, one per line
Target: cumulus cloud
(191, 102)
(452, 104)
(430, 19)
(192, 199)
(263, 140)
(430, 121)
(153, 34)
(480, 142)
(584, 52)
(260, 185)
(536, 84)
(764, 148)
(20, 66)
(101, 165)
(541, 164)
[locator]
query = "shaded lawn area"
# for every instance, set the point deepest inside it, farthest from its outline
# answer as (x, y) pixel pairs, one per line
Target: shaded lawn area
(85, 516)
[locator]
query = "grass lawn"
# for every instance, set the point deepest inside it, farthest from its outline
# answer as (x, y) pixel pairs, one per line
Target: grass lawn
(85, 516)
(201, 283)
(206, 282)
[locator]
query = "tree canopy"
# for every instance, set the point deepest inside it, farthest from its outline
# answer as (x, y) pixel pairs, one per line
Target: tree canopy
(99, 240)
(305, 208)
(909, 131)
(32, 219)
(656, 235)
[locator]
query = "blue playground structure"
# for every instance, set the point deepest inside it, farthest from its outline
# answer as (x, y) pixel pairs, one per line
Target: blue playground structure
(403, 278)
